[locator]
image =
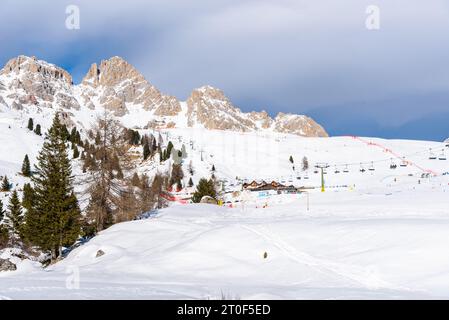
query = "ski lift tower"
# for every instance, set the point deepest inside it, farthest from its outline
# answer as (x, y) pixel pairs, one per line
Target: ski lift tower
(322, 166)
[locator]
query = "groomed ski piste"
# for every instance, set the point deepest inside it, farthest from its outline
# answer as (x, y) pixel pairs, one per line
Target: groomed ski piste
(373, 234)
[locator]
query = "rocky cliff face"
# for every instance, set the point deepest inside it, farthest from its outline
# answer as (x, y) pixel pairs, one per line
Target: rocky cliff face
(116, 85)
(29, 81)
(298, 124)
(209, 107)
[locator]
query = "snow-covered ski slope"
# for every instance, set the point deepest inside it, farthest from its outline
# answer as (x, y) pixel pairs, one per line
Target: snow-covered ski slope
(266, 157)
(378, 234)
(348, 245)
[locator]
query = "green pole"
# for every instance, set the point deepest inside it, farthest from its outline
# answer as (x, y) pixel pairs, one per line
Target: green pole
(322, 180)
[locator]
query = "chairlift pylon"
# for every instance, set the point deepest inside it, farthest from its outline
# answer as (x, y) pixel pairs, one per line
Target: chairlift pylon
(432, 156)
(442, 156)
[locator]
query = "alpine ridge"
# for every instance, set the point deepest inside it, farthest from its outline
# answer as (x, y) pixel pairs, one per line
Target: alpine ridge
(115, 85)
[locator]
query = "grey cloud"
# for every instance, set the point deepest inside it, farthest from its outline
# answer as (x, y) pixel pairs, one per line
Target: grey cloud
(289, 55)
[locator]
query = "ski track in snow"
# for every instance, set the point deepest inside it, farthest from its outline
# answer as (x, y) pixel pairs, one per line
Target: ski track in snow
(355, 273)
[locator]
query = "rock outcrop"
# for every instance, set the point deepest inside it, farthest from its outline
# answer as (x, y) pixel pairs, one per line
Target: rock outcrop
(6, 265)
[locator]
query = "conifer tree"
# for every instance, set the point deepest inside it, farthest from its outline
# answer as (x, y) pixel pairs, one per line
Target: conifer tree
(153, 145)
(291, 159)
(72, 135)
(27, 197)
(26, 170)
(169, 148)
(135, 181)
(30, 124)
(183, 152)
(204, 188)
(76, 152)
(78, 139)
(6, 186)
(2, 211)
(107, 196)
(4, 236)
(213, 168)
(190, 184)
(190, 168)
(14, 217)
(176, 175)
(305, 164)
(146, 151)
(53, 221)
(38, 130)
(97, 138)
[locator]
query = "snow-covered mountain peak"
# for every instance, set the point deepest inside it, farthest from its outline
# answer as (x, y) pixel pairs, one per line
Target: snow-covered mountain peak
(298, 124)
(117, 85)
(24, 65)
(27, 81)
(113, 72)
(31, 85)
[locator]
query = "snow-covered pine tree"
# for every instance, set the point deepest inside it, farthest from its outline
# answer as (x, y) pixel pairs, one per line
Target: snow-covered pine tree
(76, 152)
(204, 188)
(190, 168)
(6, 186)
(190, 184)
(169, 148)
(54, 220)
(27, 197)
(2, 211)
(146, 150)
(30, 125)
(26, 170)
(176, 175)
(14, 217)
(305, 164)
(37, 130)
(184, 151)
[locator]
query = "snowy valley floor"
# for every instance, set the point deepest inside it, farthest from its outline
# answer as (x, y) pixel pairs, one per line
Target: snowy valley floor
(349, 245)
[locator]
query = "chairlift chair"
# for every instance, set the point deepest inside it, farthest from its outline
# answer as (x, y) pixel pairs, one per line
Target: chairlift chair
(371, 168)
(393, 165)
(432, 155)
(404, 163)
(346, 170)
(442, 156)
(336, 170)
(362, 169)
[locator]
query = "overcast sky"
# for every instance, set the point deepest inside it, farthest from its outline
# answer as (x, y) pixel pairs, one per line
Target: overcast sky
(315, 57)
